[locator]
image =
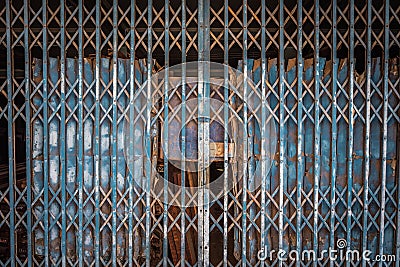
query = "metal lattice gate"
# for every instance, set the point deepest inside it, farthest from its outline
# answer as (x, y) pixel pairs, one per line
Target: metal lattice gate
(326, 74)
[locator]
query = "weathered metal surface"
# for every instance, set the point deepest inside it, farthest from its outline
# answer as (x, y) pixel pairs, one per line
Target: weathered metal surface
(327, 73)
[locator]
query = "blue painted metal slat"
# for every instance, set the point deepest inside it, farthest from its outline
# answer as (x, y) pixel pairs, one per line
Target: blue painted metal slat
(245, 146)
(114, 131)
(350, 138)
(147, 129)
(334, 76)
(71, 153)
(10, 135)
(45, 138)
(63, 138)
(263, 241)
(184, 227)
(97, 132)
(105, 157)
(282, 143)
(132, 251)
(80, 133)
(28, 137)
(88, 162)
(300, 136)
(384, 155)
(54, 162)
(165, 133)
(367, 132)
(317, 129)
(226, 137)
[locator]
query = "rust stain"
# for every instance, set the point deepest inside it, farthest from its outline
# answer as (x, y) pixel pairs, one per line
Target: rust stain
(291, 63)
(308, 63)
(257, 64)
(327, 69)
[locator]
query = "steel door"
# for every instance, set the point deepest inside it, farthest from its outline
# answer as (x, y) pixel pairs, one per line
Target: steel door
(73, 74)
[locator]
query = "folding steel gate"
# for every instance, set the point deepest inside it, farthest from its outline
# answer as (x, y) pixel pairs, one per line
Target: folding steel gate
(327, 77)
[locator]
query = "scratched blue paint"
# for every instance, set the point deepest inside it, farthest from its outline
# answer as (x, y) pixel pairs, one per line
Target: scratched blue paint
(105, 154)
(291, 149)
(272, 184)
(308, 152)
(88, 164)
(71, 150)
(326, 138)
(54, 160)
(272, 181)
(121, 164)
(37, 159)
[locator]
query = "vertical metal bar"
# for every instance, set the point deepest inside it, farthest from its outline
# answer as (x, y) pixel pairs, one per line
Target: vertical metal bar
(205, 127)
(62, 136)
(206, 133)
(317, 128)
(139, 164)
(351, 130)
(367, 133)
(334, 130)
(183, 130)
(290, 148)
(114, 131)
(398, 198)
(226, 125)
(28, 150)
(148, 127)
(385, 131)
(97, 139)
(132, 77)
(165, 137)
(245, 140)
(10, 130)
(200, 11)
(263, 132)
(300, 158)
(201, 134)
(270, 186)
(398, 194)
(281, 122)
(251, 236)
(80, 133)
(45, 137)
(376, 130)
(398, 202)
